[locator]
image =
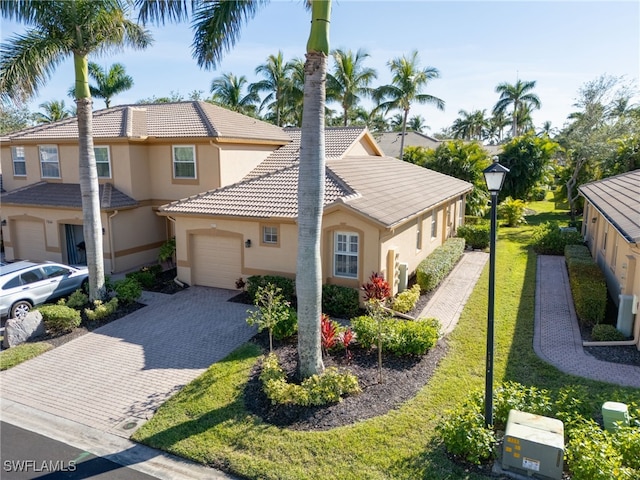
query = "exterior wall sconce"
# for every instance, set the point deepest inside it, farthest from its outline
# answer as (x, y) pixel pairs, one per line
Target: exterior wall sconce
(594, 220)
(3, 223)
(247, 244)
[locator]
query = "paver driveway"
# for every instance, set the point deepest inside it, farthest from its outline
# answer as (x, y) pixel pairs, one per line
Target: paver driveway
(116, 376)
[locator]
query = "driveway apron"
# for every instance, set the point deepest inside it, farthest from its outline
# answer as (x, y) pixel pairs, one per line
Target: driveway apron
(115, 377)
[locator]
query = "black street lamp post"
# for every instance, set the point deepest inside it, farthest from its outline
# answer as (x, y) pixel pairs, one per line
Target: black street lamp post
(494, 177)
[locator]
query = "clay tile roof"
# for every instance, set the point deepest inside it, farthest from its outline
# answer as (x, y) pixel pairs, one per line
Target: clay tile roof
(385, 189)
(66, 195)
(272, 195)
(161, 120)
(618, 200)
(337, 141)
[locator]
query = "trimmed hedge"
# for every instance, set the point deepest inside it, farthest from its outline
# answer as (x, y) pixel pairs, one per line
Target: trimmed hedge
(60, 318)
(549, 239)
(588, 285)
(433, 269)
(400, 337)
(339, 301)
(476, 236)
(405, 301)
(286, 285)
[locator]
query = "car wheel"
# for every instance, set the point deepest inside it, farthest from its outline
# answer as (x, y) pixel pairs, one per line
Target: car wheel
(20, 309)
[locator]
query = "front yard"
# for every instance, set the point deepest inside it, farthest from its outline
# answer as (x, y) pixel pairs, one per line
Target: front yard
(208, 422)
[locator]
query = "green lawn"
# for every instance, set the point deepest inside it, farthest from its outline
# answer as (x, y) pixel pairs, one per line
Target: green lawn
(20, 353)
(207, 422)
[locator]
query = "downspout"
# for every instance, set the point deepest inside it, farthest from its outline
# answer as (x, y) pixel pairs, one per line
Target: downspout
(111, 250)
(176, 281)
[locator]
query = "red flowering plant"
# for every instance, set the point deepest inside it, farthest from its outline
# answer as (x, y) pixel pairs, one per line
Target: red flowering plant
(328, 332)
(345, 337)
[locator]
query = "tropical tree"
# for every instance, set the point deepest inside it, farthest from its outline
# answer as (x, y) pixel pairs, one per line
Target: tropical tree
(228, 91)
(416, 123)
(13, 118)
(294, 94)
(54, 110)
(109, 83)
(275, 82)
(470, 126)
(59, 29)
(350, 80)
(217, 27)
(516, 96)
(408, 81)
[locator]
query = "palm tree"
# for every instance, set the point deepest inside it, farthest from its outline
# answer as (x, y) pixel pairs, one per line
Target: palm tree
(470, 126)
(59, 29)
(294, 94)
(217, 27)
(275, 72)
(416, 123)
(515, 96)
(227, 91)
(54, 110)
(408, 81)
(109, 83)
(350, 80)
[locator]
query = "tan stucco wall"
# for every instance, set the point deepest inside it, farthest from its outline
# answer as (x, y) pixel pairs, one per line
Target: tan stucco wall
(238, 160)
(361, 148)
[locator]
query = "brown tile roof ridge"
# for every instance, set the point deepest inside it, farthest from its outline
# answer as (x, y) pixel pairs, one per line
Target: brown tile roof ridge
(66, 195)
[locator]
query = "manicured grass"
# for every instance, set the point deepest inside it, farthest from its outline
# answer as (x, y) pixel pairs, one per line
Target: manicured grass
(20, 353)
(207, 421)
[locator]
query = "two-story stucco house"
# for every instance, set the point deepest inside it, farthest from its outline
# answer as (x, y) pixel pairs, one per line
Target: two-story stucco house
(611, 229)
(225, 186)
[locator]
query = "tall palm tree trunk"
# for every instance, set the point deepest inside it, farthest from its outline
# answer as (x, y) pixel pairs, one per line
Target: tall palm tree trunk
(311, 194)
(89, 188)
(404, 131)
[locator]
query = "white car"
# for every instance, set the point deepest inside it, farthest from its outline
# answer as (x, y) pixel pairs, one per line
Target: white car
(26, 284)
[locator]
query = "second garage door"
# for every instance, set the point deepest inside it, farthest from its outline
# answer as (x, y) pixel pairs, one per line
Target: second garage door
(216, 261)
(29, 241)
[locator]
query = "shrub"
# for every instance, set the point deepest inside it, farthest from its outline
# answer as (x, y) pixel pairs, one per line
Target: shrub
(101, 310)
(127, 290)
(549, 239)
(286, 286)
(538, 194)
(328, 387)
(400, 337)
(473, 220)
(287, 326)
(433, 269)
(60, 318)
(512, 210)
(476, 236)
(145, 277)
(405, 301)
(339, 301)
(272, 309)
(77, 300)
(167, 251)
(588, 285)
(606, 333)
(514, 396)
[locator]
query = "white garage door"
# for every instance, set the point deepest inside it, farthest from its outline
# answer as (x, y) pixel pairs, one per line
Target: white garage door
(30, 241)
(216, 261)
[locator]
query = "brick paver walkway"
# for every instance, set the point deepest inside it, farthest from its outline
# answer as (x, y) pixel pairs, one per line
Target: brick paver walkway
(120, 373)
(557, 338)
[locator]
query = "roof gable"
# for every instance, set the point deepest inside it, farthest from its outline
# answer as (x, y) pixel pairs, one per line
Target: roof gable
(161, 120)
(618, 199)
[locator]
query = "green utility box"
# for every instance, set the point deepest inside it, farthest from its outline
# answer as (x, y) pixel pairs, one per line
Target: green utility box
(613, 412)
(533, 445)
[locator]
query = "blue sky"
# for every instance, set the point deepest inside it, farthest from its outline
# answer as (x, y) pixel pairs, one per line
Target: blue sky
(475, 45)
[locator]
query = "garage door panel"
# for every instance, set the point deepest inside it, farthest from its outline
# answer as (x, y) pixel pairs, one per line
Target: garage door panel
(216, 261)
(29, 241)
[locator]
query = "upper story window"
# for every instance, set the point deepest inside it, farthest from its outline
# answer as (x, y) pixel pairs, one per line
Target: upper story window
(345, 254)
(103, 161)
(19, 162)
(184, 161)
(49, 164)
(270, 235)
(434, 224)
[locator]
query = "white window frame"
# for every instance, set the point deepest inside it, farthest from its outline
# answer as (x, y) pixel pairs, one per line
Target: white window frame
(604, 237)
(192, 161)
(108, 162)
(41, 149)
(270, 234)
(434, 224)
(19, 158)
(419, 233)
(342, 248)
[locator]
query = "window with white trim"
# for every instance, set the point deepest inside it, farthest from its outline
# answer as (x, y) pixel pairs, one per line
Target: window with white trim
(103, 161)
(345, 255)
(19, 162)
(184, 161)
(419, 234)
(49, 164)
(434, 224)
(270, 235)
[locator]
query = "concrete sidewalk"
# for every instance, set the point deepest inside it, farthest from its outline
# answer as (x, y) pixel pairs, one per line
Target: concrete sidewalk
(557, 338)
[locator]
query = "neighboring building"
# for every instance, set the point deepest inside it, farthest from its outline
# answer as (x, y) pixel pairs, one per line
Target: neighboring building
(154, 162)
(380, 215)
(390, 143)
(611, 229)
(147, 155)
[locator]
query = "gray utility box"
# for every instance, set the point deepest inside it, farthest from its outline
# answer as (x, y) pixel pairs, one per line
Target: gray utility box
(533, 445)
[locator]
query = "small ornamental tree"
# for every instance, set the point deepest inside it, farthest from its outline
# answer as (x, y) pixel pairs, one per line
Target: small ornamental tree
(272, 309)
(377, 293)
